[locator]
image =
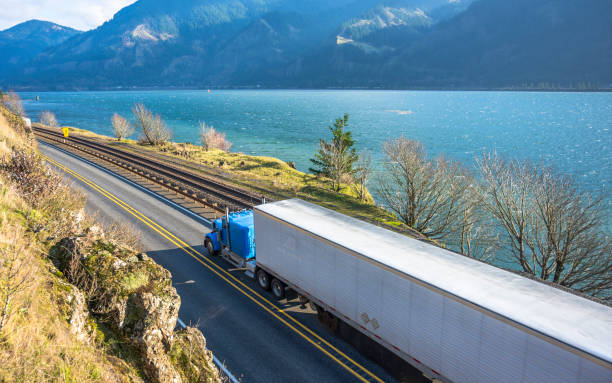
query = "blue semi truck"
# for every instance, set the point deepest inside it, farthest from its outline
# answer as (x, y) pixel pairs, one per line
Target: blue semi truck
(233, 238)
(452, 317)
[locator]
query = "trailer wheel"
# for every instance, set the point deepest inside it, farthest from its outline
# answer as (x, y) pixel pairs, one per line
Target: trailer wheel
(328, 319)
(210, 247)
(332, 322)
(263, 279)
(278, 288)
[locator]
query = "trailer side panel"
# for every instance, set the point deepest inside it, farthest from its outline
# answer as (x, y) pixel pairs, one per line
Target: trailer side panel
(460, 340)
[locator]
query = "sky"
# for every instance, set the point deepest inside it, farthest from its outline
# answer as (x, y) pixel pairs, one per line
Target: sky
(78, 14)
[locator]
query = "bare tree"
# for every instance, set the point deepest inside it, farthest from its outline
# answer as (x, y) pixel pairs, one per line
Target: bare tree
(472, 235)
(212, 139)
(428, 196)
(363, 173)
(153, 128)
(553, 229)
(48, 118)
(14, 271)
(12, 101)
(121, 127)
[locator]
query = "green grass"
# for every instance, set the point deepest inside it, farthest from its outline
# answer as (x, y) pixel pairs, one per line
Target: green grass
(276, 179)
(134, 281)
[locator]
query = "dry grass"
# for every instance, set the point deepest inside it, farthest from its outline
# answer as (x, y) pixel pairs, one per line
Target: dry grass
(124, 234)
(186, 356)
(40, 340)
(36, 342)
(11, 131)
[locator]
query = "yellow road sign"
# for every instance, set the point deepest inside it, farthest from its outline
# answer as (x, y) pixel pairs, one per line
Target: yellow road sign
(65, 130)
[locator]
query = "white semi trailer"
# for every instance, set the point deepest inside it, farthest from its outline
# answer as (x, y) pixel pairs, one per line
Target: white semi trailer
(454, 318)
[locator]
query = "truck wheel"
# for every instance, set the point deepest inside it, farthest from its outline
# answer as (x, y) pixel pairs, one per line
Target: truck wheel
(210, 247)
(263, 279)
(278, 288)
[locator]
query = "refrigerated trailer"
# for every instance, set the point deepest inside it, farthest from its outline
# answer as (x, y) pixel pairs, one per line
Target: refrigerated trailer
(452, 317)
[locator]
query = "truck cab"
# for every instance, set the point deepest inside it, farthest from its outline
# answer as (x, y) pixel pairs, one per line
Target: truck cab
(233, 238)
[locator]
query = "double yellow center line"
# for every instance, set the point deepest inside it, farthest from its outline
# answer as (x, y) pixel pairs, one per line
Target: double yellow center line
(302, 330)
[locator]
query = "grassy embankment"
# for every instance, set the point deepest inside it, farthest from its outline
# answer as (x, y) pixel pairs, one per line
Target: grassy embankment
(267, 175)
(53, 326)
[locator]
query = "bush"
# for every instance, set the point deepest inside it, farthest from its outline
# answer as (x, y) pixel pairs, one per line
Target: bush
(12, 101)
(31, 178)
(121, 127)
(56, 209)
(153, 128)
(13, 130)
(211, 139)
(48, 118)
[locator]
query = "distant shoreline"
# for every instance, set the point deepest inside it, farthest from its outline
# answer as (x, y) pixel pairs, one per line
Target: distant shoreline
(136, 89)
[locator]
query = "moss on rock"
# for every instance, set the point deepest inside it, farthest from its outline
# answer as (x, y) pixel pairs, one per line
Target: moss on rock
(134, 296)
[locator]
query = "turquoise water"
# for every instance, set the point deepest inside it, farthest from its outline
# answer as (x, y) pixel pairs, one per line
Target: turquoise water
(572, 131)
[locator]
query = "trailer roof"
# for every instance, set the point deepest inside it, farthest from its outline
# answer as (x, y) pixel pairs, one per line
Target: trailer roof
(573, 320)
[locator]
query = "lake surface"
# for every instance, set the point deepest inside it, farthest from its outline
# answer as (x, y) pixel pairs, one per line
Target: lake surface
(572, 131)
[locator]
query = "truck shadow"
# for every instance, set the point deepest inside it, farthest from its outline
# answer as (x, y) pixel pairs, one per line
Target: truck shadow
(342, 336)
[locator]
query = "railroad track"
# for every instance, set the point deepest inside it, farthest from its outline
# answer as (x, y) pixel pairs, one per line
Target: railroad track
(200, 189)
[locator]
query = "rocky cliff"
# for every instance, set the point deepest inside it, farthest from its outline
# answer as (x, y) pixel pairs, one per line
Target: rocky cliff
(78, 302)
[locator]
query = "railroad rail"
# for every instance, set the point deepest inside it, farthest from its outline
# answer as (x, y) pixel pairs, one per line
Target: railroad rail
(195, 187)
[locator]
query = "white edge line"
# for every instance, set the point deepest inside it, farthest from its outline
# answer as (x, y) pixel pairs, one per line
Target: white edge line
(229, 375)
(130, 182)
(217, 362)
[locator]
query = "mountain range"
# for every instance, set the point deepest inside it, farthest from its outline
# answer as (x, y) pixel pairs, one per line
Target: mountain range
(21, 43)
(318, 44)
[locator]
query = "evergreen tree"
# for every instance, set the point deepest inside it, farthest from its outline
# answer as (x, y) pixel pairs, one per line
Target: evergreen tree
(335, 159)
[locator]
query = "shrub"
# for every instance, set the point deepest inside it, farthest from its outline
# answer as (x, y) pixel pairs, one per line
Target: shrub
(363, 173)
(13, 129)
(15, 269)
(56, 208)
(31, 178)
(153, 128)
(12, 101)
(48, 118)
(121, 127)
(211, 139)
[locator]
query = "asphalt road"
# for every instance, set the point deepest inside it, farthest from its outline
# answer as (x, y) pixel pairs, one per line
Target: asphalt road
(256, 343)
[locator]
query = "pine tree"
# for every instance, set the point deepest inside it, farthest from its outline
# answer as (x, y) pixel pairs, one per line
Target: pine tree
(335, 159)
